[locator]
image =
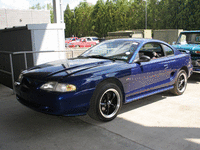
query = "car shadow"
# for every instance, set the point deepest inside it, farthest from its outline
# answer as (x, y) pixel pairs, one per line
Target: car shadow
(142, 102)
(152, 136)
(194, 78)
(23, 128)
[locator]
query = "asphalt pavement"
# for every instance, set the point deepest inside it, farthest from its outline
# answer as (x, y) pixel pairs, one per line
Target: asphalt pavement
(158, 122)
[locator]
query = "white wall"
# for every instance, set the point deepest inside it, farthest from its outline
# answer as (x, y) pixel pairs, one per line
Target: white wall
(14, 17)
(47, 37)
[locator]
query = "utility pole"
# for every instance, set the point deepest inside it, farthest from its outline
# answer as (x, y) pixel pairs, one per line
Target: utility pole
(146, 15)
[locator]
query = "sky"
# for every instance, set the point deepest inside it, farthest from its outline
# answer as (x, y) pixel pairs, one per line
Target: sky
(25, 4)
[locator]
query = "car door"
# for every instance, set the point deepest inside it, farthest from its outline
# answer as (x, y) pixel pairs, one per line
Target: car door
(83, 43)
(88, 43)
(151, 75)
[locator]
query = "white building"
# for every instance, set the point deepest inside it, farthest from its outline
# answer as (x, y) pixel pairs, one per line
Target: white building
(14, 17)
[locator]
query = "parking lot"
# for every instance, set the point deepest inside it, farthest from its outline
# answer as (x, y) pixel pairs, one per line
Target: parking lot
(158, 122)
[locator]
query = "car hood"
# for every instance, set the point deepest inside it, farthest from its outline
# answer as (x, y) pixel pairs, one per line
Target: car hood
(57, 69)
(190, 47)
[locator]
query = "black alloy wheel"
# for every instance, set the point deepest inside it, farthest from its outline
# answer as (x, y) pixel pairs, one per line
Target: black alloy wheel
(109, 103)
(106, 102)
(180, 83)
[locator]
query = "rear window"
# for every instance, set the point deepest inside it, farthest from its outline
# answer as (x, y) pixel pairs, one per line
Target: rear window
(88, 39)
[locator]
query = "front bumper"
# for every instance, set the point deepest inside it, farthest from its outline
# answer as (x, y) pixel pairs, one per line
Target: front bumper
(196, 65)
(67, 104)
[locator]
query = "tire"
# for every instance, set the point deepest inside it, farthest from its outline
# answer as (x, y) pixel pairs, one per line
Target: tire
(77, 46)
(92, 45)
(106, 102)
(180, 83)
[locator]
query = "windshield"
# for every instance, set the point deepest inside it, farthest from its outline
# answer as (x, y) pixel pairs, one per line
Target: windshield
(189, 38)
(94, 39)
(113, 49)
(78, 40)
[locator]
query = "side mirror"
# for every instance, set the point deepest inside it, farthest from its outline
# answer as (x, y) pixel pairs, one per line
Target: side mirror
(143, 58)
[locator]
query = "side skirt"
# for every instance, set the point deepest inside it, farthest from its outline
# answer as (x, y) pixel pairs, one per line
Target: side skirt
(142, 95)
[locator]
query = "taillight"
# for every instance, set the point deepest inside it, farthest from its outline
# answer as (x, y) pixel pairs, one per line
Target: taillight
(197, 52)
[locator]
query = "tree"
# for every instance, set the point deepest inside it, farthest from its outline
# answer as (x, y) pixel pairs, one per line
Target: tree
(138, 14)
(83, 19)
(48, 6)
(109, 16)
(69, 22)
(121, 14)
(98, 15)
(192, 14)
(115, 15)
(153, 12)
(37, 7)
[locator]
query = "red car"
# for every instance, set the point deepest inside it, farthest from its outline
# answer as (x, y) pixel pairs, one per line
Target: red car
(68, 40)
(82, 43)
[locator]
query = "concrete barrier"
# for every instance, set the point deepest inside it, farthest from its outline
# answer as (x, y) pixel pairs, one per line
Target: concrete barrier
(74, 52)
(167, 35)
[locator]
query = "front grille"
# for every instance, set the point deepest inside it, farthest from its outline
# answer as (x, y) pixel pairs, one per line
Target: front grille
(195, 55)
(28, 103)
(36, 106)
(196, 63)
(30, 83)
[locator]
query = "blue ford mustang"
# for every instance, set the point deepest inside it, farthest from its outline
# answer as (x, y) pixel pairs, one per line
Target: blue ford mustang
(103, 78)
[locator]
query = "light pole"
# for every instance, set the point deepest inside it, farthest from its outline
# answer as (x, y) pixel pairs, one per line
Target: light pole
(146, 15)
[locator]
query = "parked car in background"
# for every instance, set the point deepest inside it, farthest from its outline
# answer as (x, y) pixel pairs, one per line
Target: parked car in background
(92, 39)
(189, 41)
(68, 40)
(104, 77)
(101, 39)
(82, 43)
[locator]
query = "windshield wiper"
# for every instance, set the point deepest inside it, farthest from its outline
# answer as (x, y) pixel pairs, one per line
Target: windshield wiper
(81, 56)
(101, 57)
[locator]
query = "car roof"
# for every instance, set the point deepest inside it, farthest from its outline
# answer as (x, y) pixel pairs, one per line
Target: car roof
(140, 40)
(90, 37)
(190, 31)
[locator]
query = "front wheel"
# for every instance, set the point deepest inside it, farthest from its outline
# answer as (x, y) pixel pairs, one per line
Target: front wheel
(106, 102)
(180, 84)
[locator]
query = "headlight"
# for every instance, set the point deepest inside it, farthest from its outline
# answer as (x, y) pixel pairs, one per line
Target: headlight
(58, 87)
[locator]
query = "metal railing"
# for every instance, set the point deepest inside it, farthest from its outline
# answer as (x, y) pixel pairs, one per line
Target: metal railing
(24, 53)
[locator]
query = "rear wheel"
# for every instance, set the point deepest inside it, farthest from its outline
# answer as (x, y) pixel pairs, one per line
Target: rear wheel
(180, 84)
(106, 102)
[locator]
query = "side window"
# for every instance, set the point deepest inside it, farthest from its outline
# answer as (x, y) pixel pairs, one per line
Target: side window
(153, 50)
(197, 38)
(88, 39)
(168, 50)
